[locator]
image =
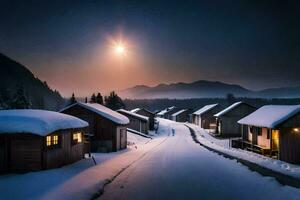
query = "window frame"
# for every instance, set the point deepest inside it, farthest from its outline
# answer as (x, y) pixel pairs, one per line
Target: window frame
(75, 140)
(54, 142)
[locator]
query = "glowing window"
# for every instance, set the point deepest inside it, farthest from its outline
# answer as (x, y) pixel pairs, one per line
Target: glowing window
(77, 137)
(55, 139)
(48, 140)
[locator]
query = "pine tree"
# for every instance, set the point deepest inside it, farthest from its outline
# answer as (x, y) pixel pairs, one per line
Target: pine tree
(72, 99)
(113, 101)
(93, 98)
(230, 98)
(20, 100)
(5, 99)
(99, 98)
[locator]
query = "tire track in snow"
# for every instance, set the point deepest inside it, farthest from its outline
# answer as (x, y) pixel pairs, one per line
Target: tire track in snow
(108, 181)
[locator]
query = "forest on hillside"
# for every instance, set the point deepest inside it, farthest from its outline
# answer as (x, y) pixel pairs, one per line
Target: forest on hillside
(159, 104)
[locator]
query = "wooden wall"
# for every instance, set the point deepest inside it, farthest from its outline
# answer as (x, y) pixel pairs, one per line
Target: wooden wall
(208, 118)
(25, 152)
(137, 124)
(65, 154)
(289, 145)
(104, 131)
(3, 154)
(183, 117)
(229, 125)
(28, 152)
(149, 115)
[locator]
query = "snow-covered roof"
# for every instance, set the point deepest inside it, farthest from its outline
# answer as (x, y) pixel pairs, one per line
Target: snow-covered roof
(166, 110)
(205, 109)
(270, 116)
(103, 111)
(226, 110)
(178, 112)
(141, 117)
(38, 122)
(135, 110)
(139, 109)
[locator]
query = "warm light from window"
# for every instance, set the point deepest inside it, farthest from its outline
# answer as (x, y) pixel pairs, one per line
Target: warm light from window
(52, 140)
(296, 130)
(48, 140)
(55, 139)
(77, 137)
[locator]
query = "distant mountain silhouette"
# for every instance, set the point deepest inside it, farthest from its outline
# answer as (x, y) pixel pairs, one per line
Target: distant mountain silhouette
(14, 75)
(204, 89)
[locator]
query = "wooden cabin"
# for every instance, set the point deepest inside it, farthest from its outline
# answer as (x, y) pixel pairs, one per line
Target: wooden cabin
(166, 113)
(32, 140)
(146, 113)
(226, 120)
(169, 113)
(137, 122)
(272, 130)
(204, 117)
(181, 115)
(108, 128)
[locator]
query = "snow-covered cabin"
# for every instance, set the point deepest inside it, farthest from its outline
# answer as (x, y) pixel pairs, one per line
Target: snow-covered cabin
(274, 130)
(226, 120)
(147, 113)
(32, 140)
(107, 127)
(167, 113)
(204, 117)
(181, 115)
(137, 122)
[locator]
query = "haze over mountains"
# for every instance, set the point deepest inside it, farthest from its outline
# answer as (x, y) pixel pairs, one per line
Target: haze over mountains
(40, 95)
(205, 89)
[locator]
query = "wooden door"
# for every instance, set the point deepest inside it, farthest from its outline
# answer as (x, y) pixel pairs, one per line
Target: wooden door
(275, 140)
(3, 155)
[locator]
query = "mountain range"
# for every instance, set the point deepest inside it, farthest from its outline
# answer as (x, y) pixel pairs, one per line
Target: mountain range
(205, 89)
(14, 75)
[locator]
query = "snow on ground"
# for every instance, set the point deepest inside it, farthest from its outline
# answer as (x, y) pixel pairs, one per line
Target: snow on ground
(136, 140)
(181, 169)
(223, 146)
(170, 166)
(79, 180)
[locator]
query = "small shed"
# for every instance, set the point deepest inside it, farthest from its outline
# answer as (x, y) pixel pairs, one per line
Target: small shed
(273, 130)
(32, 140)
(147, 113)
(166, 113)
(181, 115)
(204, 117)
(107, 127)
(137, 122)
(226, 120)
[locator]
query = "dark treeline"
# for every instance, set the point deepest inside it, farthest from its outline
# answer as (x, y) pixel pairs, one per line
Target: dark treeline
(159, 104)
(112, 101)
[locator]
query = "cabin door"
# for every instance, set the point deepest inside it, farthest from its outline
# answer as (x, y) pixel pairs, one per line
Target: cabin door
(275, 140)
(3, 155)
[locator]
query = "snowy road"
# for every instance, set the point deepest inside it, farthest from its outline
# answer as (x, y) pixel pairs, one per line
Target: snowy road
(181, 169)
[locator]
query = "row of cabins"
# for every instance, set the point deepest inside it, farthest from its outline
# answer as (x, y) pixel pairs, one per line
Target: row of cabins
(32, 140)
(222, 122)
(176, 114)
(272, 130)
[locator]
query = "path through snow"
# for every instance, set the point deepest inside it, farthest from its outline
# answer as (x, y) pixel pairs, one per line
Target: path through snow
(181, 169)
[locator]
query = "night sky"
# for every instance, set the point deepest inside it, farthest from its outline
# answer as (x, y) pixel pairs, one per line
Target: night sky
(252, 43)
